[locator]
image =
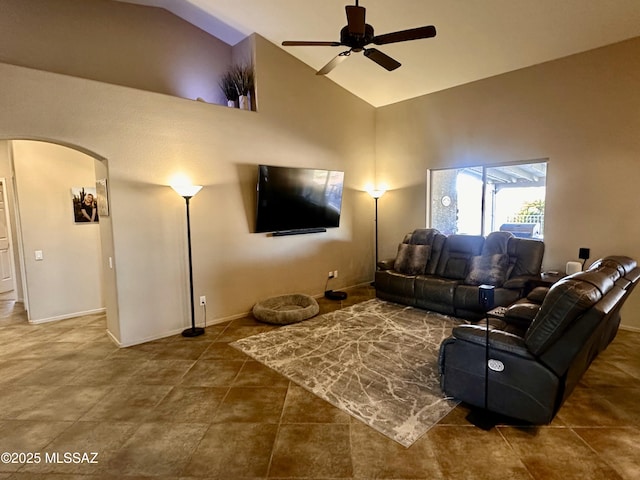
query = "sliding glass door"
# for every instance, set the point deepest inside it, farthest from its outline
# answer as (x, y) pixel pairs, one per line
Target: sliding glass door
(483, 199)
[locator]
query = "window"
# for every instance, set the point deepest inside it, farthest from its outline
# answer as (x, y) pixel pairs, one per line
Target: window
(484, 199)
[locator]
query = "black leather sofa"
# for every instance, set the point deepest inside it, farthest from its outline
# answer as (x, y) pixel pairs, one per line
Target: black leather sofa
(442, 273)
(542, 346)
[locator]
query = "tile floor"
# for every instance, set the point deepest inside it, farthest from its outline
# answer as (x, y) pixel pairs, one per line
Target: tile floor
(182, 408)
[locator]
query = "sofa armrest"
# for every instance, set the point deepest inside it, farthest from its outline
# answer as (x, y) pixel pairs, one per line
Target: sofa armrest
(498, 340)
(521, 313)
(538, 294)
(386, 264)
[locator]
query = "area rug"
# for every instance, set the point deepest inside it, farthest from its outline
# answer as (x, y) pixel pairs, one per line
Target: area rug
(375, 360)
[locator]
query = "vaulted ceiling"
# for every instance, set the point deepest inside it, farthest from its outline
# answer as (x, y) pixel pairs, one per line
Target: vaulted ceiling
(475, 38)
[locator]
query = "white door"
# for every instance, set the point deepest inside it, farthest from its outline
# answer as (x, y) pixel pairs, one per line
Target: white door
(7, 283)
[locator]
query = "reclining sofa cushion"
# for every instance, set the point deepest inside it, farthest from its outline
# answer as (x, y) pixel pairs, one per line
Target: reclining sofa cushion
(633, 276)
(525, 261)
(492, 267)
(526, 254)
(566, 301)
(422, 236)
(584, 339)
(396, 287)
(431, 237)
(623, 265)
(412, 259)
(436, 251)
(436, 293)
(456, 255)
(626, 268)
(497, 242)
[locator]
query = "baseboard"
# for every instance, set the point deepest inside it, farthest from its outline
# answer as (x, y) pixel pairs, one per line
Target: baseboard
(629, 329)
(215, 321)
(357, 285)
(67, 316)
(227, 319)
(177, 331)
(113, 338)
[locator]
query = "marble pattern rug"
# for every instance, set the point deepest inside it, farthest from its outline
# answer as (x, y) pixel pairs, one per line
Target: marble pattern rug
(376, 360)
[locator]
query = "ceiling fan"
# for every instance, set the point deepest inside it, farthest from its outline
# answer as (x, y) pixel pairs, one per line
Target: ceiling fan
(357, 34)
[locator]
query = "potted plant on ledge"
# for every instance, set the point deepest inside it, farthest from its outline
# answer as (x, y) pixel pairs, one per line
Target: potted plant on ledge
(228, 86)
(237, 84)
(244, 82)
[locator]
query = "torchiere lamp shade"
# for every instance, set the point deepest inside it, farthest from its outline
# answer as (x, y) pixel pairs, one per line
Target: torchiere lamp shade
(187, 190)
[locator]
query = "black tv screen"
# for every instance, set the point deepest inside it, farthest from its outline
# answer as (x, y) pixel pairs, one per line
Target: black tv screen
(292, 199)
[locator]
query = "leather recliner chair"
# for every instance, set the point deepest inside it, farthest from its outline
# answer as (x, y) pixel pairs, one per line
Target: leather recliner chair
(534, 367)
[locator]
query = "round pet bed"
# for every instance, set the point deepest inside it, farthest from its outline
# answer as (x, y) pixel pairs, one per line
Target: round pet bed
(286, 309)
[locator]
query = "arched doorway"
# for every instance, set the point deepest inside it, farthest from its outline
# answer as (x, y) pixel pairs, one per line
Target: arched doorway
(59, 262)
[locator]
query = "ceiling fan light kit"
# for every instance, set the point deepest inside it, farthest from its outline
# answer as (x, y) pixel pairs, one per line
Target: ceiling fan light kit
(357, 34)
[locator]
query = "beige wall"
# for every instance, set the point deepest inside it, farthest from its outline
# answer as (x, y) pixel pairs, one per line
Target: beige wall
(124, 44)
(68, 281)
(146, 138)
(109, 280)
(581, 112)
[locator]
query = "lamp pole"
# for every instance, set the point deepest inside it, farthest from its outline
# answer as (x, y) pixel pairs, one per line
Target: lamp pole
(187, 192)
(376, 202)
(376, 194)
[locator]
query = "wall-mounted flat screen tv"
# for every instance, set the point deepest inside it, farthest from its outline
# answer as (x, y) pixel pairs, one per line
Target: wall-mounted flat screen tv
(291, 199)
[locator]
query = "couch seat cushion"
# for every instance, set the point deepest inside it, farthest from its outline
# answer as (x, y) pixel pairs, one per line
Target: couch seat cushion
(395, 283)
(435, 293)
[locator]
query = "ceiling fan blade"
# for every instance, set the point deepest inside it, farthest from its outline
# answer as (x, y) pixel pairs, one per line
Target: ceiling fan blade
(405, 35)
(310, 44)
(338, 59)
(356, 19)
(381, 59)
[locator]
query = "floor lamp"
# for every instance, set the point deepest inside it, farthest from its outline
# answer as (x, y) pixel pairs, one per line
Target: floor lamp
(485, 419)
(376, 194)
(186, 192)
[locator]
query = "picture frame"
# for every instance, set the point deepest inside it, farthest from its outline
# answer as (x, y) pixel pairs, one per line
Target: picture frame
(85, 205)
(102, 197)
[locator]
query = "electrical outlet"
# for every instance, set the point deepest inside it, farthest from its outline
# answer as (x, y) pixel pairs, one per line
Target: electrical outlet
(330, 275)
(203, 301)
(335, 274)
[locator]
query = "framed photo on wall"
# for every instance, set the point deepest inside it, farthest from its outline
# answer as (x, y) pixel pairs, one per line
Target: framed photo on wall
(102, 197)
(85, 205)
